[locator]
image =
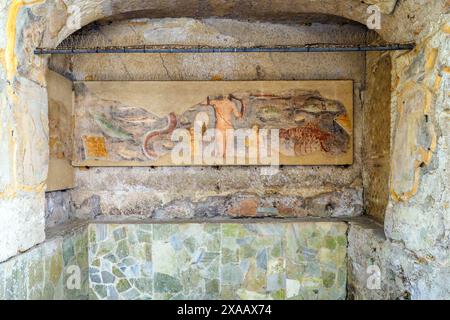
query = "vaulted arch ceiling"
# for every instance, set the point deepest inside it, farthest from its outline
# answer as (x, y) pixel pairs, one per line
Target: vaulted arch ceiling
(393, 18)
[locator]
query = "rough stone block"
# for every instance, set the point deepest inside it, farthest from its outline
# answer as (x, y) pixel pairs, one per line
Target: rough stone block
(21, 223)
(41, 273)
(186, 260)
(370, 275)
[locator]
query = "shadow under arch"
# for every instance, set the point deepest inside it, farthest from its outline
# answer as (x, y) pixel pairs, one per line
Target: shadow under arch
(300, 12)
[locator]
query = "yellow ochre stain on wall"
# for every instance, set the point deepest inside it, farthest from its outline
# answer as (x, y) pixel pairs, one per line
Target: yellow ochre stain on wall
(446, 28)
(10, 56)
(9, 59)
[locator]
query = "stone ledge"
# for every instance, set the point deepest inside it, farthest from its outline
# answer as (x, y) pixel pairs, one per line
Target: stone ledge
(121, 220)
(68, 228)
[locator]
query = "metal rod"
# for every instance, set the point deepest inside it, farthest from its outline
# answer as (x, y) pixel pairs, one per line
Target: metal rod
(164, 49)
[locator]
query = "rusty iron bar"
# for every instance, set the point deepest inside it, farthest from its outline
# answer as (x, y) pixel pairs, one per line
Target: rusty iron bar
(206, 49)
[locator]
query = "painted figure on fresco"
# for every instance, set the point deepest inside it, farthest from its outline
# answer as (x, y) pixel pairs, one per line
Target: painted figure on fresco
(308, 123)
(322, 126)
(225, 108)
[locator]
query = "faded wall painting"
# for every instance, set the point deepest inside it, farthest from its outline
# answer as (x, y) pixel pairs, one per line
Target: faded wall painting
(60, 113)
(213, 123)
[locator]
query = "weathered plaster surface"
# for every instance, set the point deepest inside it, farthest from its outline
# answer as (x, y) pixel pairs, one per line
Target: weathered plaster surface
(422, 221)
(24, 229)
(377, 134)
(385, 6)
(321, 191)
(368, 254)
(43, 272)
(418, 228)
(402, 274)
(415, 254)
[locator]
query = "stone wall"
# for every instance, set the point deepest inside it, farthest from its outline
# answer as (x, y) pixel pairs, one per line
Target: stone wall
(27, 25)
(381, 269)
(324, 191)
(417, 220)
(413, 255)
(43, 272)
(183, 261)
(59, 208)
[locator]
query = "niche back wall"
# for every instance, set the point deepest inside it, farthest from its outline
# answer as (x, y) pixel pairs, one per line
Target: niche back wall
(197, 192)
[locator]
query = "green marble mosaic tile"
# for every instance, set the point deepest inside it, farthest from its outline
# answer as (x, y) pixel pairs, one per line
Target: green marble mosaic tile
(120, 261)
(186, 261)
(316, 261)
(15, 281)
(76, 265)
(252, 261)
(218, 261)
(39, 273)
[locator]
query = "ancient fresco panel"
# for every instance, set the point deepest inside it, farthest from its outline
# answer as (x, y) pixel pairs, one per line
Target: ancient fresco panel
(414, 140)
(60, 121)
(213, 123)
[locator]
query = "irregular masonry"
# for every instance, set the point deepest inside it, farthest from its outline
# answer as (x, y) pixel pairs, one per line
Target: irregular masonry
(42, 273)
(267, 260)
(194, 192)
(417, 225)
(295, 260)
(380, 269)
(251, 260)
